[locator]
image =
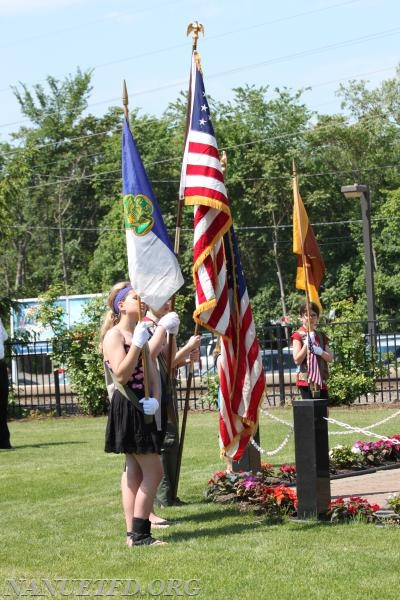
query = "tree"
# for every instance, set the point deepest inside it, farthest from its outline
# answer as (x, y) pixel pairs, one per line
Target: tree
(60, 190)
(262, 135)
(60, 206)
(363, 148)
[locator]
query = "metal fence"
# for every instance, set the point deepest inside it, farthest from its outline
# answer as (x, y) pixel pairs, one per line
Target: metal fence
(36, 385)
(383, 352)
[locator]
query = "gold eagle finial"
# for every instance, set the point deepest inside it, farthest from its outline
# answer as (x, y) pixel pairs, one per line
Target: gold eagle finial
(195, 28)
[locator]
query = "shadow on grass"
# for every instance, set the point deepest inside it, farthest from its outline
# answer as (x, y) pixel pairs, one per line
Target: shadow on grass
(44, 445)
(228, 511)
(215, 531)
(243, 522)
(300, 525)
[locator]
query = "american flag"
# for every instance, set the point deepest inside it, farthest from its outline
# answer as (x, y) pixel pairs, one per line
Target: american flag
(202, 186)
(314, 374)
(222, 302)
(242, 377)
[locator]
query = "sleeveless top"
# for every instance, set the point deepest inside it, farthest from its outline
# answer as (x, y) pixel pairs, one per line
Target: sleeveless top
(136, 380)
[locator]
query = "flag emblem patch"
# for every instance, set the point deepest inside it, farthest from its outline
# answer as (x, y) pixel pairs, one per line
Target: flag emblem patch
(138, 211)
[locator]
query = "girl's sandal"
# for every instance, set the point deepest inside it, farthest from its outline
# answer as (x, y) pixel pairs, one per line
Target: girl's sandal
(149, 541)
(162, 524)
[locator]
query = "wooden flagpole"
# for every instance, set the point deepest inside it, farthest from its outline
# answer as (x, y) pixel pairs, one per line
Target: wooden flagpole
(145, 349)
(194, 28)
(303, 256)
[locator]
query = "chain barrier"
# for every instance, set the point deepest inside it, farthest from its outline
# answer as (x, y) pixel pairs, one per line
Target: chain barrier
(363, 431)
(285, 441)
(350, 429)
(382, 422)
(277, 419)
(278, 449)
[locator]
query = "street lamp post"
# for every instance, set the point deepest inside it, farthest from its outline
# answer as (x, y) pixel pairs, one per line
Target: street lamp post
(362, 192)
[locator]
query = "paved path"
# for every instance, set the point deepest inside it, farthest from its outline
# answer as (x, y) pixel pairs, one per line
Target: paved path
(374, 487)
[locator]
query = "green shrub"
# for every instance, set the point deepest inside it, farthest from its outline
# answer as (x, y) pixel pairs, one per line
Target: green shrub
(354, 371)
(343, 457)
(393, 501)
(16, 411)
(346, 385)
(210, 397)
(77, 350)
(84, 365)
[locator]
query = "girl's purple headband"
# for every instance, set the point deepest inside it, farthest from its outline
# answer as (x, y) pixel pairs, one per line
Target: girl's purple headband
(120, 296)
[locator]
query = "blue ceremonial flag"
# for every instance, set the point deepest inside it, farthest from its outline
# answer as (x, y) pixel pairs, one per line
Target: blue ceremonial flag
(154, 271)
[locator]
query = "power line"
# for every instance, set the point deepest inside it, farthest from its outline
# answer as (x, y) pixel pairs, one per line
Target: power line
(182, 45)
(242, 229)
(277, 60)
(265, 139)
(287, 177)
(53, 32)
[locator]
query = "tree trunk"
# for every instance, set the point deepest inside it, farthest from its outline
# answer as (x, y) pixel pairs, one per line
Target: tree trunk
(61, 210)
(20, 251)
(278, 267)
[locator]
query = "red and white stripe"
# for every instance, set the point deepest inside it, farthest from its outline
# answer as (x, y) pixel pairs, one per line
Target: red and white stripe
(222, 302)
(204, 188)
(313, 372)
(242, 382)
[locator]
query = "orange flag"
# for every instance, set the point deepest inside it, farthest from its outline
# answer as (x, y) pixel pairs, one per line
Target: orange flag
(310, 264)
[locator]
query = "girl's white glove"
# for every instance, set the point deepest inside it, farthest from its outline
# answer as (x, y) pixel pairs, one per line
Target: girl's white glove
(170, 322)
(140, 334)
(150, 405)
(310, 343)
(317, 350)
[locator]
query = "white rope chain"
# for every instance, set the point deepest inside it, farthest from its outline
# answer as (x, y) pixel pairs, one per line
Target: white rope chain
(350, 430)
(371, 426)
(363, 431)
(278, 449)
(267, 414)
(283, 444)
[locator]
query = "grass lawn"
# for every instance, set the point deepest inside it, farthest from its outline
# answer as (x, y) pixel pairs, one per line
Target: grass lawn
(61, 518)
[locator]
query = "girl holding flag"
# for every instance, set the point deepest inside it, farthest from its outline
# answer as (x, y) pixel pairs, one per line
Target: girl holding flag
(131, 427)
(311, 355)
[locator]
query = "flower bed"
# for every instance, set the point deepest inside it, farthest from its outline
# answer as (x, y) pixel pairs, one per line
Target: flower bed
(393, 501)
(355, 508)
(264, 493)
(270, 491)
(364, 455)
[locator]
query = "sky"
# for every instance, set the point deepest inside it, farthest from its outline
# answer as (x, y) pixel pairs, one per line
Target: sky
(290, 43)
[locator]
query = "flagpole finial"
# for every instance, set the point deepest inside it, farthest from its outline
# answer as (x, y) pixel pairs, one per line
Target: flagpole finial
(125, 100)
(195, 28)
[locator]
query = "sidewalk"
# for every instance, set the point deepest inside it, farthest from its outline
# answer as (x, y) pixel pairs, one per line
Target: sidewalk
(374, 487)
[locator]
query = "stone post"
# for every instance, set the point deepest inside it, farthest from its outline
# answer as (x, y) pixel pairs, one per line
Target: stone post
(312, 458)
